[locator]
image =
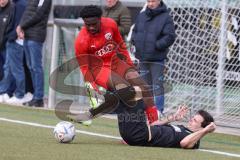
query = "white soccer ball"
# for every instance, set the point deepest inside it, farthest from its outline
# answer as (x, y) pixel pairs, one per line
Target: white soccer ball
(64, 132)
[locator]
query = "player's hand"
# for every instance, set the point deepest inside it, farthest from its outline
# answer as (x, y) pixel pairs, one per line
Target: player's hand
(211, 127)
(181, 112)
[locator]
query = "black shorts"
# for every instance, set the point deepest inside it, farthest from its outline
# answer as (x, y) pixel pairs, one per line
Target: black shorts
(132, 124)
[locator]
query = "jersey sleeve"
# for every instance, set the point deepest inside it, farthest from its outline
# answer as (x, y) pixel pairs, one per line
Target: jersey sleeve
(122, 48)
(81, 52)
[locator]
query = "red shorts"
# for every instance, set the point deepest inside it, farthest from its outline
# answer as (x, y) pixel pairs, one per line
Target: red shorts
(118, 66)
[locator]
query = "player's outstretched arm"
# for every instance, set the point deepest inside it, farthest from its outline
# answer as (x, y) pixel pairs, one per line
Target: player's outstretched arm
(189, 141)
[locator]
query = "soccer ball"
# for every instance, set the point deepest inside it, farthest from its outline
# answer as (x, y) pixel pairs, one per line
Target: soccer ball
(64, 132)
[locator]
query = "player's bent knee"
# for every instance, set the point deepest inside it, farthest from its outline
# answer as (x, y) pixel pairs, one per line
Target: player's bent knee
(130, 93)
(126, 93)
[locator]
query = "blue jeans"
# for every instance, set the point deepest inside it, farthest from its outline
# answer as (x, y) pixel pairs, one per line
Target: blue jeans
(2, 61)
(7, 84)
(152, 73)
(33, 54)
(15, 53)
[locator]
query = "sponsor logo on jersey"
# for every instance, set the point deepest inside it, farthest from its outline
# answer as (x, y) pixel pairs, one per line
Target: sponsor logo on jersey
(108, 48)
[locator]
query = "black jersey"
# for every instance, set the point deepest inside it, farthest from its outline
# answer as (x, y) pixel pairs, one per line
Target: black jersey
(134, 130)
(169, 136)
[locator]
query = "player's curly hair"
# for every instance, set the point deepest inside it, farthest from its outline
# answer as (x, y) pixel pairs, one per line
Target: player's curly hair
(91, 11)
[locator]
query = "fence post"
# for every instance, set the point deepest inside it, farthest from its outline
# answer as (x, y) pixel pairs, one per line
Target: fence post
(55, 51)
(221, 59)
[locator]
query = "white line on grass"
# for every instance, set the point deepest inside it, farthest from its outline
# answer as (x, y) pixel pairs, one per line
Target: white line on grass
(103, 135)
(222, 153)
(47, 126)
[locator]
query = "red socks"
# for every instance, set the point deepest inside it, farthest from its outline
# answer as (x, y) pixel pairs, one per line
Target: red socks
(152, 114)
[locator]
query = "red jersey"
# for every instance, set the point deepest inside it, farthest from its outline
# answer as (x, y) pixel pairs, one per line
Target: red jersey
(96, 54)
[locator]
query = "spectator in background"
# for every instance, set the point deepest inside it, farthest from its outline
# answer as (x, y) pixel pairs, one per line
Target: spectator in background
(6, 19)
(116, 10)
(33, 29)
(153, 34)
(15, 54)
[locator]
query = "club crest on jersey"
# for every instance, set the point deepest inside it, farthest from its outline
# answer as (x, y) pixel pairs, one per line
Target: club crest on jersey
(108, 36)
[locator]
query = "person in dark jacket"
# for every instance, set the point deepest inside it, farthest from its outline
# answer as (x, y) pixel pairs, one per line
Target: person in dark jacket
(5, 18)
(153, 34)
(7, 10)
(15, 54)
(33, 29)
(116, 10)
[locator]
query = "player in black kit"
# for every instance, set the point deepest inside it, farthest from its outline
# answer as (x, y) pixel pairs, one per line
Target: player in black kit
(135, 129)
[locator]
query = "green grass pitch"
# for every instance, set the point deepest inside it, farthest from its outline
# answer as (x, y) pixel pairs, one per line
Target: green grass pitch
(26, 142)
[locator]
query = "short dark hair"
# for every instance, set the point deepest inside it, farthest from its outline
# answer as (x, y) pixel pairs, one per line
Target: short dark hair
(91, 11)
(207, 117)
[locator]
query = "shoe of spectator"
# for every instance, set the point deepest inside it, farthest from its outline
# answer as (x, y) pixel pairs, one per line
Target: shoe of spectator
(5, 97)
(34, 103)
(14, 100)
(27, 97)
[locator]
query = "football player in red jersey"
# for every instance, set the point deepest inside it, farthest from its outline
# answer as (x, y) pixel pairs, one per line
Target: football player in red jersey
(105, 61)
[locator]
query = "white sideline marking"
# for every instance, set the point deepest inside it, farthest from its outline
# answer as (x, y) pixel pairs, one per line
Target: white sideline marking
(103, 135)
(219, 152)
(47, 126)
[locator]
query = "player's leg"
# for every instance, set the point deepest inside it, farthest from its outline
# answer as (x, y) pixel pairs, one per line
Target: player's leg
(122, 89)
(126, 74)
(122, 78)
(128, 87)
(117, 82)
(151, 110)
(111, 102)
(133, 77)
